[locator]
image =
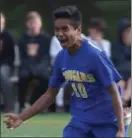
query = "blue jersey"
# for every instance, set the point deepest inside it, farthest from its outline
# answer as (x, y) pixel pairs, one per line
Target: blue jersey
(89, 72)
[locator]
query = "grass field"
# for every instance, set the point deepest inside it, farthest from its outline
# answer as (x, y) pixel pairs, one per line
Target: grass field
(39, 126)
(46, 125)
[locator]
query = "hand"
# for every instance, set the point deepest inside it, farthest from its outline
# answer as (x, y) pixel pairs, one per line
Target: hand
(127, 111)
(120, 134)
(12, 121)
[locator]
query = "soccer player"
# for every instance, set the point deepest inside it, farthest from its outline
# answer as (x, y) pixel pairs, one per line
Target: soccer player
(96, 102)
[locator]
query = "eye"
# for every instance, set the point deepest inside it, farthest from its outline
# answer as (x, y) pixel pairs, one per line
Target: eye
(65, 28)
(56, 29)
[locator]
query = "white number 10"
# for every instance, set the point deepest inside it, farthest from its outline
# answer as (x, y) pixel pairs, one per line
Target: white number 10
(79, 90)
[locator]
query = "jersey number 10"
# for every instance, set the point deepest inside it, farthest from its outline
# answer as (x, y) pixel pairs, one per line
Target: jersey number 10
(79, 90)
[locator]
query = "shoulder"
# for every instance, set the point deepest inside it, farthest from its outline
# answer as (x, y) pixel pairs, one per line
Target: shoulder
(106, 42)
(7, 34)
(94, 52)
(23, 38)
(59, 58)
(115, 44)
(93, 49)
(61, 53)
(83, 36)
(46, 35)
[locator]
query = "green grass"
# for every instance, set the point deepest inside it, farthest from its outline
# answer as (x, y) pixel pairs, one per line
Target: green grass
(39, 126)
(46, 125)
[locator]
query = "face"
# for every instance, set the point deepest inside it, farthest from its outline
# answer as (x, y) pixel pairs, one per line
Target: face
(34, 24)
(2, 23)
(94, 33)
(126, 36)
(66, 33)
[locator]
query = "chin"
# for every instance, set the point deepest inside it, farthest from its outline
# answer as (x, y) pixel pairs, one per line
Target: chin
(65, 46)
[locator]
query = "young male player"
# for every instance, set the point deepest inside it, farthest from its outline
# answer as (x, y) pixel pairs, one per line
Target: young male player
(95, 103)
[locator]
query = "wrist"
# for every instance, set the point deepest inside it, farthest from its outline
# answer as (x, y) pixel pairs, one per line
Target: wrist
(22, 117)
(121, 126)
(121, 129)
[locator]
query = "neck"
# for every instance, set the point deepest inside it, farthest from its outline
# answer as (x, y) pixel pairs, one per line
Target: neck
(33, 33)
(97, 38)
(72, 50)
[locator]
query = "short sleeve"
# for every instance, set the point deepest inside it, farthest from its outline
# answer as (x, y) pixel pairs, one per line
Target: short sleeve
(120, 90)
(104, 70)
(56, 79)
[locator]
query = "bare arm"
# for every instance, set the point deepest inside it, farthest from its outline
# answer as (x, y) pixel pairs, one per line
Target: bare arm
(43, 102)
(127, 93)
(117, 104)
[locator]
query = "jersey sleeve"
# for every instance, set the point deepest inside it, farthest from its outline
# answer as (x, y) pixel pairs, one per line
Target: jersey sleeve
(104, 70)
(56, 79)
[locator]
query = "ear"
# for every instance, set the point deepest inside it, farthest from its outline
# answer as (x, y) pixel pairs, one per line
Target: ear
(79, 30)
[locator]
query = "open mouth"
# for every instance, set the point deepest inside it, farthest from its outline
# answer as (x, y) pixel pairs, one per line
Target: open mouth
(63, 41)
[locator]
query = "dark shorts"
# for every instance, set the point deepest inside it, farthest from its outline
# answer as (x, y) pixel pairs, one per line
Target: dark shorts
(78, 129)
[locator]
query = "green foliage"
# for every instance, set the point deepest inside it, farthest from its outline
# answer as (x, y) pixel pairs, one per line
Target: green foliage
(111, 10)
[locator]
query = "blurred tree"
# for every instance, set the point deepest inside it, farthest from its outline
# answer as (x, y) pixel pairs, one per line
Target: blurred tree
(111, 10)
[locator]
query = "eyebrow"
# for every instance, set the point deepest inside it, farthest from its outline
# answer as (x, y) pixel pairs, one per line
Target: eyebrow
(63, 26)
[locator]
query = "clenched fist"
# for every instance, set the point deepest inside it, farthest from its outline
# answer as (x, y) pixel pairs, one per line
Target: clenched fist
(12, 121)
